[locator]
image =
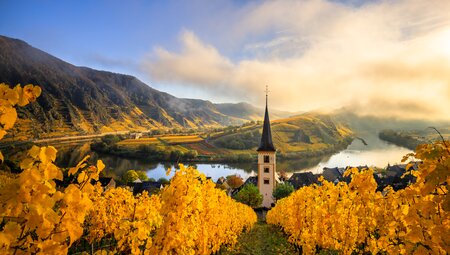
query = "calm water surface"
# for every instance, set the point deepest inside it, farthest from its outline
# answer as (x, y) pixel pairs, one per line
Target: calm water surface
(376, 153)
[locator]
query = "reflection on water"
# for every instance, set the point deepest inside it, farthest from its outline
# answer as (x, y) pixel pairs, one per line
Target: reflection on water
(357, 154)
(376, 153)
(214, 171)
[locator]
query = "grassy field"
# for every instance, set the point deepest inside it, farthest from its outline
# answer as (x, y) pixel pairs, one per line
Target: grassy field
(262, 239)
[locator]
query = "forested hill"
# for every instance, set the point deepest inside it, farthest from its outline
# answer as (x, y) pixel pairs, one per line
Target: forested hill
(79, 100)
(310, 132)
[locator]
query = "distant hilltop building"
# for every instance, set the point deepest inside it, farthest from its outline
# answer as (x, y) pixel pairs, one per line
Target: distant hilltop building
(266, 162)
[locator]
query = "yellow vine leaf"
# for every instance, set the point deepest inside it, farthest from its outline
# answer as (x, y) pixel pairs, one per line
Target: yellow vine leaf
(11, 96)
(2, 133)
(81, 177)
(355, 218)
(8, 117)
(100, 165)
(47, 154)
(34, 151)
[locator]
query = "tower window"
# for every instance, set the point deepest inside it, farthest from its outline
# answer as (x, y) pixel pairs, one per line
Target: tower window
(266, 159)
(266, 170)
(266, 181)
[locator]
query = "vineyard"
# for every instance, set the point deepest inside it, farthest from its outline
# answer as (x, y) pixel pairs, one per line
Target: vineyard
(355, 218)
(169, 140)
(191, 216)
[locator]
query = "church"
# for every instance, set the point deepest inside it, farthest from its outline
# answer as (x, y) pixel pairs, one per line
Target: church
(266, 162)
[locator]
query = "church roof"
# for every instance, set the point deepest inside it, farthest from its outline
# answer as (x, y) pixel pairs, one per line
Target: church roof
(266, 138)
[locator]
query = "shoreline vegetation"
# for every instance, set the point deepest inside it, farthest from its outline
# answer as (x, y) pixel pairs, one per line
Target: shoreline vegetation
(310, 136)
(152, 151)
(400, 139)
(306, 135)
(410, 139)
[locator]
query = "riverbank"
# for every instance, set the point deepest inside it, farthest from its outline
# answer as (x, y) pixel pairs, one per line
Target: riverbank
(161, 150)
(400, 139)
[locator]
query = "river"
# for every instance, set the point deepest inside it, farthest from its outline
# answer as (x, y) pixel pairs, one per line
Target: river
(376, 153)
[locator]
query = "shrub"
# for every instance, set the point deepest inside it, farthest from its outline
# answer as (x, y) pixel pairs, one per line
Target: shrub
(142, 175)
(283, 190)
(130, 176)
(249, 195)
(163, 181)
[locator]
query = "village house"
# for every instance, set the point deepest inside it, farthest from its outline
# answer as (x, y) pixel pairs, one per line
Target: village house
(106, 183)
(334, 174)
(149, 186)
(299, 180)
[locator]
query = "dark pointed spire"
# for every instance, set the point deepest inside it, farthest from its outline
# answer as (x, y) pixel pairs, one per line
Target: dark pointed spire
(266, 138)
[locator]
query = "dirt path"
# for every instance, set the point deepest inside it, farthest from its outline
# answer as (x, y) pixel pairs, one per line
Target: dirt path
(263, 239)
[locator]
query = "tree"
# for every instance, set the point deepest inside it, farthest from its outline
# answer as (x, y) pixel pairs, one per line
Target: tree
(111, 139)
(283, 190)
(234, 181)
(130, 176)
(249, 195)
(142, 175)
(192, 154)
(163, 181)
(176, 155)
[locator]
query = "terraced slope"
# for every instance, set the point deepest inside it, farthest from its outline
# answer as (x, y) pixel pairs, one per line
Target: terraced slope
(305, 132)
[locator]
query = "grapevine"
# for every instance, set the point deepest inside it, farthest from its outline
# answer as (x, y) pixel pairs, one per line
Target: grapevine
(355, 217)
(190, 216)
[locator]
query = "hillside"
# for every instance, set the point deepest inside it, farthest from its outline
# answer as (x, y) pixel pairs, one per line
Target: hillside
(248, 112)
(79, 100)
(411, 138)
(306, 132)
(374, 124)
(305, 136)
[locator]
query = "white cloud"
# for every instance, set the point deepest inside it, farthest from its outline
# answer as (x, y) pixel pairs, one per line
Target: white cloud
(386, 57)
(196, 64)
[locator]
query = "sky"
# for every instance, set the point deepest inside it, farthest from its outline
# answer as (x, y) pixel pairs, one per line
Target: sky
(383, 58)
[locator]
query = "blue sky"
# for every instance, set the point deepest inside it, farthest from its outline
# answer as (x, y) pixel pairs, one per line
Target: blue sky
(308, 51)
(114, 35)
(111, 35)
(87, 32)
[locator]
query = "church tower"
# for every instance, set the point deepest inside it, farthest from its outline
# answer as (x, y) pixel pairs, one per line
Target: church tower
(266, 162)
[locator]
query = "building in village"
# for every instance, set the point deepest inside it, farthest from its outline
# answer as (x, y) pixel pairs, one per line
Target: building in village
(266, 162)
(299, 180)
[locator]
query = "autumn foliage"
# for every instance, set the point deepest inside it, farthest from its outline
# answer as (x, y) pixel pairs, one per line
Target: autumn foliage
(9, 98)
(356, 218)
(38, 218)
(190, 216)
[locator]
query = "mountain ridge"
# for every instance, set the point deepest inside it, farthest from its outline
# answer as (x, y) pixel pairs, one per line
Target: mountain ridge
(82, 100)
